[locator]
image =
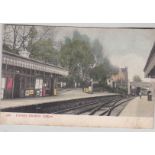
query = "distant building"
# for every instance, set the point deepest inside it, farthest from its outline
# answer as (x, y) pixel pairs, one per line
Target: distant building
(136, 87)
(120, 79)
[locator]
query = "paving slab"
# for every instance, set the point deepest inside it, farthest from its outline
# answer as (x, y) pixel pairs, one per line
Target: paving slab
(139, 107)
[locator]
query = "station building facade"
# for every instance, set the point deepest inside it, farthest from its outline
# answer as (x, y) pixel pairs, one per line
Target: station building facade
(119, 80)
(25, 77)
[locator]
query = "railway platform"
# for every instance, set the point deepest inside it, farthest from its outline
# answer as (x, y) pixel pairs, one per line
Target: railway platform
(64, 95)
(139, 107)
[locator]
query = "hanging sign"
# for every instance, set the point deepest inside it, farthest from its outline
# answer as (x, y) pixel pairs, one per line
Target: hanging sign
(3, 83)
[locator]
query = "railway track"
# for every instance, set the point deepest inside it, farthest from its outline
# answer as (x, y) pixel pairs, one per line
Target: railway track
(101, 106)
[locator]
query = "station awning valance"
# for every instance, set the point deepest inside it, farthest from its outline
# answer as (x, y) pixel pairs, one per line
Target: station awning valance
(16, 60)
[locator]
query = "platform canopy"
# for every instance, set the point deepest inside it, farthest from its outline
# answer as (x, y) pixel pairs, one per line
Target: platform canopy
(149, 68)
(141, 84)
(28, 63)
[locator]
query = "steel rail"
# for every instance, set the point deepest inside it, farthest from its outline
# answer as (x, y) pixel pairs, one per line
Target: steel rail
(108, 112)
(96, 104)
(80, 106)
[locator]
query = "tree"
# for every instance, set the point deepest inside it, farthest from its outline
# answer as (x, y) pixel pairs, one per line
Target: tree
(43, 50)
(85, 60)
(136, 78)
(103, 71)
(10, 37)
(97, 51)
(76, 55)
(21, 37)
(32, 38)
(38, 40)
(98, 73)
(17, 37)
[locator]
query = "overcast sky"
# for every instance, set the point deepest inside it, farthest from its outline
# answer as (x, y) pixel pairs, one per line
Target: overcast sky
(124, 47)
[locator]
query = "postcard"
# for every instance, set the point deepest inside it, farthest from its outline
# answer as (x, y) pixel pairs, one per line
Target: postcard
(77, 76)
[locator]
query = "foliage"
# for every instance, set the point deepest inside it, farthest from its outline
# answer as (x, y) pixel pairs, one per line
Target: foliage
(18, 37)
(99, 74)
(77, 57)
(102, 71)
(85, 60)
(97, 51)
(43, 50)
(38, 40)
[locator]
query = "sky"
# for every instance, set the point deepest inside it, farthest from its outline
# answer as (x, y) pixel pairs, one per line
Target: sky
(124, 47)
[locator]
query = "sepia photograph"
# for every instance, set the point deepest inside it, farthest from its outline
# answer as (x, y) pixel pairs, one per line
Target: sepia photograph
(77, 76)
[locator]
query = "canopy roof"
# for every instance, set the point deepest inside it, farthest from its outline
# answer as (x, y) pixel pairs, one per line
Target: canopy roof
(149, 68)
(19, 61)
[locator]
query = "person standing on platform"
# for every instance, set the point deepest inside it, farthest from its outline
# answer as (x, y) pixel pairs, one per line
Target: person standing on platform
(149, 96)
(140, 94)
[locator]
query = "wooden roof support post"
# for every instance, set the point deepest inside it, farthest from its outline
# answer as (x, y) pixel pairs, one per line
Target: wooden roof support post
(1, 45)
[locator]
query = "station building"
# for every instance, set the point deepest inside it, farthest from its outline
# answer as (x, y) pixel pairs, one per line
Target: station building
(149, 68)
(136, 87)
(25, 77)
(120, 79)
